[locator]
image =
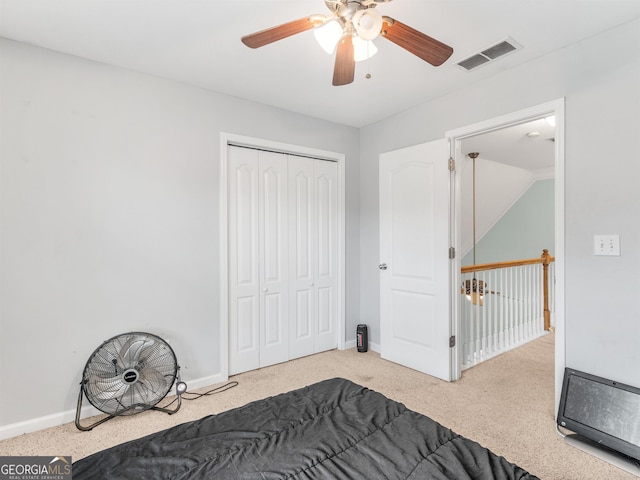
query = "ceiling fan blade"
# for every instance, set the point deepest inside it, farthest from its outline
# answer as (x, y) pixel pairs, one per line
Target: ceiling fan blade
(345, 66)
(270, 35)
(428, 49)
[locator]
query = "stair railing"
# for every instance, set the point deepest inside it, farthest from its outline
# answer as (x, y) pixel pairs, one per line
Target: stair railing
(507, 304)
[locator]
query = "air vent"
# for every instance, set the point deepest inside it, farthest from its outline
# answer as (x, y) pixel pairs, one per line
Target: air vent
(490, 54)
(473, 62)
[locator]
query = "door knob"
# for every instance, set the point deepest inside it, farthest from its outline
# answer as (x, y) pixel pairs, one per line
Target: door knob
(382, 266)
(265, 289)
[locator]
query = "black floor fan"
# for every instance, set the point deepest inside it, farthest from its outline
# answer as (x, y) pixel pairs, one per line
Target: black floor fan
(128, 374)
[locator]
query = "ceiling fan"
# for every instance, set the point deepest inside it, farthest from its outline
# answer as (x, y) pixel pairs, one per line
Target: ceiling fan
(353, 25)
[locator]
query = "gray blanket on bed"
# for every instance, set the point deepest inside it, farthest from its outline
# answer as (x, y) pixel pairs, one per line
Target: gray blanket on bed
(334, 429)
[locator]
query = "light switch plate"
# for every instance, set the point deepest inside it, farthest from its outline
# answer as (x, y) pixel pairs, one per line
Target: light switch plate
(606, 245)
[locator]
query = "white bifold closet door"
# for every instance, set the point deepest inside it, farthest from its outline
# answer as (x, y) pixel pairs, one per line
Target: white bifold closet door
(282, 257)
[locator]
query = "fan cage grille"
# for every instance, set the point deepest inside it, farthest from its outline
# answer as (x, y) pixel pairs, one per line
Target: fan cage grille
(129, 373)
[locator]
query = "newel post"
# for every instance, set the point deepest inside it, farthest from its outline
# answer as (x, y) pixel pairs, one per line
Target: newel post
(546, 259)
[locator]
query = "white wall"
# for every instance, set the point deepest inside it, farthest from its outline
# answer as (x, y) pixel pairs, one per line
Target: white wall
(109, 216)
(600, 78)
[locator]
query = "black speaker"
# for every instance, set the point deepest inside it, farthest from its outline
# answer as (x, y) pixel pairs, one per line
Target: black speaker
(362, 338)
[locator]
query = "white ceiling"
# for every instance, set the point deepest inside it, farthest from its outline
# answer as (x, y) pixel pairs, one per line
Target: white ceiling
(198, 42)
(529, 146)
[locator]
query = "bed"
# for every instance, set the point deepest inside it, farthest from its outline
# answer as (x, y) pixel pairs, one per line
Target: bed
(334, 429)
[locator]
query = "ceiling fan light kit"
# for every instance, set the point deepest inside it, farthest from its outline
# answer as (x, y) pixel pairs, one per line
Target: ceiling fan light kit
(474, 289)
(329, 34)
(350, 31)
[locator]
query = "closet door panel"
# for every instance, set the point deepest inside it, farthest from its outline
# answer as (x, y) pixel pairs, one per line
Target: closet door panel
(244, 277)
(326, 254)
(247, 323)
(301, 256)
(274, 258)
(274, 311)
(325, 310)
(302, 330)
(325, 227)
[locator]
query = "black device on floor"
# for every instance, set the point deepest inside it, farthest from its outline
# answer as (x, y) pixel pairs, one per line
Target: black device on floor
(362, 338)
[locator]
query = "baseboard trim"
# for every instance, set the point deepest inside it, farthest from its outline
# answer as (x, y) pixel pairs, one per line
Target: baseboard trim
(88, 410)
(610, 456)
(352, 344)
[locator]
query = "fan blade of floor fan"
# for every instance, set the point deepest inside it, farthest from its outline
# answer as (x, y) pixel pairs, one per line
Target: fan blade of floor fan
(427, 48)
(131, 349)
(270, 35)
(153, 380)
(345, 66)
(107, 388)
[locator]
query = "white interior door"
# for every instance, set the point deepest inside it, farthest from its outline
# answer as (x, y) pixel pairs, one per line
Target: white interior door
(414, 258)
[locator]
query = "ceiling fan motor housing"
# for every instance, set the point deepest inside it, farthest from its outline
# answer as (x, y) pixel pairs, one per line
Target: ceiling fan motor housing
(335, 4)
(346, 9)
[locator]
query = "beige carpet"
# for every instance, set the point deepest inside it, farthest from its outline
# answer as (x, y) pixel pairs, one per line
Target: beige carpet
(506, 404)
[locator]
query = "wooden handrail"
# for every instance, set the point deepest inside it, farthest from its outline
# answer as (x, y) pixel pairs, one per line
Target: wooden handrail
(510, 263)
(545, 259)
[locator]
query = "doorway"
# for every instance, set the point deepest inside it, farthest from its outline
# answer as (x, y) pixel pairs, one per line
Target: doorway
(457, 137)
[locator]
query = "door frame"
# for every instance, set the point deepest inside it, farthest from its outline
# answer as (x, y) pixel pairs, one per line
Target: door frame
(557, 108)
(227, 139)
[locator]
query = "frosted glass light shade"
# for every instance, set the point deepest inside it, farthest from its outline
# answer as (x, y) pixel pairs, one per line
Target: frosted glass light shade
(363, 49)
(328, 35)
(368, 23)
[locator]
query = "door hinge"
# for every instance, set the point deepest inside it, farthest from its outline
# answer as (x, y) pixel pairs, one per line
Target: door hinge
(452, 252)
(452, 164)
(452, 341)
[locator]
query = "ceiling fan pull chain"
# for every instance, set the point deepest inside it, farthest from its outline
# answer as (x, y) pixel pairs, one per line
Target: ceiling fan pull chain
(368, 75)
